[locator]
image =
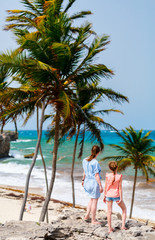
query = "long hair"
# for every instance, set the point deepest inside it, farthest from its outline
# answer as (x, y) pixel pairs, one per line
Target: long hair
(113, 167)
(94, 151)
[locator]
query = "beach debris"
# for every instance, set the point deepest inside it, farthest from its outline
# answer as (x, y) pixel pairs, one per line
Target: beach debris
(38, 198)
(15, 195)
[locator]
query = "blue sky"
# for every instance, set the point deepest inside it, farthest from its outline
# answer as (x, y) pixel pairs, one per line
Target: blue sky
(131, 55)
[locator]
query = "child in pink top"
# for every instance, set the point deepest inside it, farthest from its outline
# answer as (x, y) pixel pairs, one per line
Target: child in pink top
(113, 192)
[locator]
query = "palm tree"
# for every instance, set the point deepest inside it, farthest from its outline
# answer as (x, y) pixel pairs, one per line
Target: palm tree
(135, 148)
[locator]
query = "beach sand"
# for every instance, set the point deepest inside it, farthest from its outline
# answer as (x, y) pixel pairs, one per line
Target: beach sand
(11, 202)
(63, 219)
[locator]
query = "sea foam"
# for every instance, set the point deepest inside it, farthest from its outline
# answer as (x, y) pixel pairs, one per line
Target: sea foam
(23, 140)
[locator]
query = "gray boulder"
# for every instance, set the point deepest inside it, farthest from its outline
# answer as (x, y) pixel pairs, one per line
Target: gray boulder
(4, 145)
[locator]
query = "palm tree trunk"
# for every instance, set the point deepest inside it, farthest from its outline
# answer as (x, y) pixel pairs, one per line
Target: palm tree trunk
(55, 151)
(133, 193)
(2, 127)
(43, 161)
(33, 162)
(15, 123)
(73, 162)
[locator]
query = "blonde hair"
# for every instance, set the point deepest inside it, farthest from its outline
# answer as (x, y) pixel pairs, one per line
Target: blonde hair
(94, 151)
(113, 167)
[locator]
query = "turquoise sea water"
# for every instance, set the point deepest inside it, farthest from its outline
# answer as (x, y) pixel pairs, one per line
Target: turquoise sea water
(13, 171)
(28, 139)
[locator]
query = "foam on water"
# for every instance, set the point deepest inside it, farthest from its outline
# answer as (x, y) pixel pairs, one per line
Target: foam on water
(20, 156)
(23, 140)
(30, 148)
(15, 174)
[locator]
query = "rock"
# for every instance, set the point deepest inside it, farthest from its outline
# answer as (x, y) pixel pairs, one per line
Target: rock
(13, 135)
(4, 145)
(137, 234)
(29, 155)
(133, 223)
(100, 232)
(149, 236)
(5, 139)
(117, 224)
(119, 216)
(117, 235)
(146, 229)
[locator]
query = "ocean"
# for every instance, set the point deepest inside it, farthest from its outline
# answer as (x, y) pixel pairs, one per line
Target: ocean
(13, 172)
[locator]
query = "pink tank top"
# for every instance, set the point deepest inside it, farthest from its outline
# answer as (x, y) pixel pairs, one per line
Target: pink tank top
(112, 190)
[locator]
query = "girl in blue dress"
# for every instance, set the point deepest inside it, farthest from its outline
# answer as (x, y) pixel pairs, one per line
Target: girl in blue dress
(92, 182)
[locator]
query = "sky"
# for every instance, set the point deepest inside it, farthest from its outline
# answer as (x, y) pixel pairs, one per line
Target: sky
(130, 54)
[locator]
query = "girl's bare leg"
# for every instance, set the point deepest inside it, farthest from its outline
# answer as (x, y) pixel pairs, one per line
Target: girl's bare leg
(109, 212)
(88, 209)
(93, 211)
(123, 207)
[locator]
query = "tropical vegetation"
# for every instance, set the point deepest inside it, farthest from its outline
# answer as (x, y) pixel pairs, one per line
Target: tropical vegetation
(54, 65)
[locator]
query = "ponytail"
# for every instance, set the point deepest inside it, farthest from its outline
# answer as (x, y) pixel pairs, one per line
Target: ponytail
(94, 151)
(113, 167)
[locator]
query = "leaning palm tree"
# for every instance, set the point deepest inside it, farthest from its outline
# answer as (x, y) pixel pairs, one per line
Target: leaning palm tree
(136, 149)
(29, 114)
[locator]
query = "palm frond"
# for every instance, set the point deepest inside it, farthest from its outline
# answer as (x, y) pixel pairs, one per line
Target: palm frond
(145, 173)
(28, 4)
(81, 14)
(123, 164)
(107, 111)
(116, 158)
(69, 5)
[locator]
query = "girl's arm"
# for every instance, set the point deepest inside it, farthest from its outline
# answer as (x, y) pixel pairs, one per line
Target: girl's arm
(105, 191)
(84, 175)
(97, 176)
(120, 190)
(105, 188)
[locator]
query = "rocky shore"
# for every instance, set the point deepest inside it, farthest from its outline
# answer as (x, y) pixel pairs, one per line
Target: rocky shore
(5, 139)
(67, 223)
(70, 225)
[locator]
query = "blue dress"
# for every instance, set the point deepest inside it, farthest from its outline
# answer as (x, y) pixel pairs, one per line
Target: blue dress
(90, 184)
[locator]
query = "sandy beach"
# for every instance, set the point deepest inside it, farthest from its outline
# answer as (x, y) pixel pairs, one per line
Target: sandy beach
(11, 201)
(61, 217)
